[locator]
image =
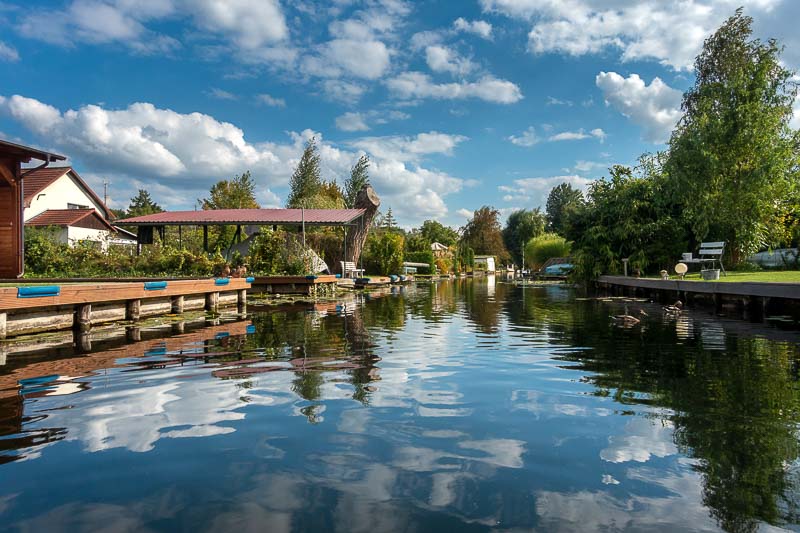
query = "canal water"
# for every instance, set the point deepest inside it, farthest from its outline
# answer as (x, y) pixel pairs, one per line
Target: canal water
(458, 406)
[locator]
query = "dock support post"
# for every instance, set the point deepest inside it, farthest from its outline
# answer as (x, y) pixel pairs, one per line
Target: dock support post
(764, 308)
(83, 341)
(133, 310)
(212, 302)
(83, 317)
(717, 303)
(133, 334)
(177, 305)
(3, 325)
(241, 301)
(3, 354)
(179, 327)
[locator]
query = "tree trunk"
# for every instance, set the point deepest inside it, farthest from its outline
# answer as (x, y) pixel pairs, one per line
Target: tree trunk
(366, 199)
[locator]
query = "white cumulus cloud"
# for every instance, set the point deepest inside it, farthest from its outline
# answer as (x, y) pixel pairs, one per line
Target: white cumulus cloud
(655, 107)
(481, 28)
(410, 85)
(443, 59)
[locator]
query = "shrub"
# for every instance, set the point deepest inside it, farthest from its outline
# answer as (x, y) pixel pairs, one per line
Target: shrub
(544, 247)
(383, 253)
(425, 256)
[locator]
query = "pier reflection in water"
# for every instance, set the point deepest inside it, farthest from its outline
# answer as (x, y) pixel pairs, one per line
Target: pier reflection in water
(462, 405)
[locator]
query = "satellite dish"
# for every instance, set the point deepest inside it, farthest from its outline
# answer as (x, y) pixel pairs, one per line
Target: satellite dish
(681, 268)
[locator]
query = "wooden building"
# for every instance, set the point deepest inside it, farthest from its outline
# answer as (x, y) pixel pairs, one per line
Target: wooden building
(12, 175)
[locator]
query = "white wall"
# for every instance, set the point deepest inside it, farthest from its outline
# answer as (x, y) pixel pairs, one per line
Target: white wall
(57, 195)
(83, 234)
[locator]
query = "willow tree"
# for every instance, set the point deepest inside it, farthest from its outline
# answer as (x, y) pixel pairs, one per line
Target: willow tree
(733, 154)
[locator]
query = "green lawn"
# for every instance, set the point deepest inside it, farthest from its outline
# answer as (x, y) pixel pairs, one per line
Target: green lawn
(782, 276)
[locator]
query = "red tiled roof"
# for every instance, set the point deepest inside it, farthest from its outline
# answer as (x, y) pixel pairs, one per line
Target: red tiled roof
(246, 217)
(66, 217)
(35, 181)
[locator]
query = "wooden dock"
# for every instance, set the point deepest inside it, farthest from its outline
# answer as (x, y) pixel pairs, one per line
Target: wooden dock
(40, 308)
(753, 297)
(319, 285)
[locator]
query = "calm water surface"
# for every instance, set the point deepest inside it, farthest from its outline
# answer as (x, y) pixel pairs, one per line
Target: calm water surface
(468, 406)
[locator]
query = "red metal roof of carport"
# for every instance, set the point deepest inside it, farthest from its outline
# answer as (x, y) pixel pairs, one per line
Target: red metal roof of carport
(252, 217)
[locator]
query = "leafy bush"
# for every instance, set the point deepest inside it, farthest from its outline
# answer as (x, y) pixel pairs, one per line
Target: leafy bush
(544, 247)
(422, 257)
(383, 253)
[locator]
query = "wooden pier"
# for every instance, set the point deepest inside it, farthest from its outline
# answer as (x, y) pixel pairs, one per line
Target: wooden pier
(40, 308)
(320, 285)
(754, 298)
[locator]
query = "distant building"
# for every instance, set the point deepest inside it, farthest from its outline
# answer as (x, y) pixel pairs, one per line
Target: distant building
(58, 197)
(439, 250)
(485, 262)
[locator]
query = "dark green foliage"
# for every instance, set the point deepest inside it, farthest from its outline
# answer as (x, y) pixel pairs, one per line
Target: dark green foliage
(238, 193)
(434, 231)
(522, 226)
(383, 253)
(142, 204)
(630, 214)
(483, 234)
(359, 177)
(733, 156)
(306, 180)
(425, 256)
(562, 201)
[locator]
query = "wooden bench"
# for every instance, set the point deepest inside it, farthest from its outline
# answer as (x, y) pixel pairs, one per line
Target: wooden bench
(710, 252)
(349, 267)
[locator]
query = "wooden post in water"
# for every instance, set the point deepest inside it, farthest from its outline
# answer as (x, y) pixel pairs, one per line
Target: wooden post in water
(212, 302)
(133, 334)
(83, 317)
(133, 310)
(241, 301)
(3, 325)
(177, 305)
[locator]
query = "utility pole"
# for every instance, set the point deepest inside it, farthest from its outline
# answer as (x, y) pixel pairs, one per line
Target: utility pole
(105, 192)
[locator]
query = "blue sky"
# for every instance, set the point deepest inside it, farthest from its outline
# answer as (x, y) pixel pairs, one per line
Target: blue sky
(458, 104)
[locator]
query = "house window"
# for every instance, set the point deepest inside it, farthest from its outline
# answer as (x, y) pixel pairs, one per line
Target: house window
(77, 206)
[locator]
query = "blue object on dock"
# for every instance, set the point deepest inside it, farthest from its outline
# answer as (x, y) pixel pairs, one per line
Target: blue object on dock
(311, 276)
(250, 329)
(250, 279)
(338, 276)
(222, 335)
(394, 278)
(222, 281)
(155, 285)
(38, 292)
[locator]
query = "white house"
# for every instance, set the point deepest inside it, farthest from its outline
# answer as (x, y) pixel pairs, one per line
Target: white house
(58, 197)
(485, 262)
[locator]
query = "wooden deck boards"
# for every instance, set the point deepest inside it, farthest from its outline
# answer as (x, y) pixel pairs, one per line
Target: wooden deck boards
(758, 289)
(113, 292)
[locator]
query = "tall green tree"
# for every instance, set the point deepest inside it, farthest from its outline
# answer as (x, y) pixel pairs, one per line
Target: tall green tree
(563, 200)
(521, 227)
(142, 204)
(306, 180)
(237, 193)
(631, 215)
(733, 155)
(434, 231)
(483, 234)
(389, 221)
(359, 176)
